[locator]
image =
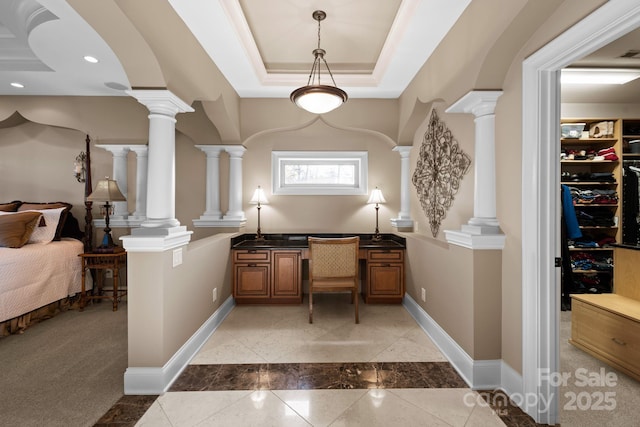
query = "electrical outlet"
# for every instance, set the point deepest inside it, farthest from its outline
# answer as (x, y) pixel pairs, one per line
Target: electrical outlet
(177, 257)
(424, 294)
(108, 273)
(215, 294)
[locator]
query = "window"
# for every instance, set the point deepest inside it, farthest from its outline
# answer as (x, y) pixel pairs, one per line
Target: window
(319, 172)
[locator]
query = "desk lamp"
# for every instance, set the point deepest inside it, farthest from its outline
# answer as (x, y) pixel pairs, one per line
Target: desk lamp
(377, 198)
(106, 191)
(259, 199)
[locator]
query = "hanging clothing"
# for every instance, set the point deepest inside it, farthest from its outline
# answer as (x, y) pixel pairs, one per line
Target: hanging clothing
(630, 208)
(569, 214)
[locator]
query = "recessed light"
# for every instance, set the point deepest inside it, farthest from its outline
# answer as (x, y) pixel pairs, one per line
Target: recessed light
(602, 76)
(91, 59)
(18, 85)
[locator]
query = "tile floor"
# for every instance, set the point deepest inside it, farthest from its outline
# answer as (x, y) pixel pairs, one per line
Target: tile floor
(267, 366)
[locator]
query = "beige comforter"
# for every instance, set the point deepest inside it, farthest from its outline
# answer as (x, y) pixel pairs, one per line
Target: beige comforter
(38, 274)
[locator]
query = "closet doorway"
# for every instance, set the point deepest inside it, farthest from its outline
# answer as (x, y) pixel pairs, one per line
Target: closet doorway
(597, 162)
(541, 177)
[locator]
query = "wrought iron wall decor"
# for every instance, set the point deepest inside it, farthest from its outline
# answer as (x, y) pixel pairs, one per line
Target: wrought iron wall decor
(440, 168)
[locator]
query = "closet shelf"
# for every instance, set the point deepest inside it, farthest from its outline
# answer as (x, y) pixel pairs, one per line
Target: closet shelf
(589, 161)
(574, 249)
(573, 183)
(578, 271)
(581, 141)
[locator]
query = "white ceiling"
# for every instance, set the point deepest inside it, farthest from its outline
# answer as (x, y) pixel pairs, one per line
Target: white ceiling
(374, 47)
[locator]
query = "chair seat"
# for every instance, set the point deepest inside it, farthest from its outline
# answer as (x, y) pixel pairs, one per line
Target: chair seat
(337, 284)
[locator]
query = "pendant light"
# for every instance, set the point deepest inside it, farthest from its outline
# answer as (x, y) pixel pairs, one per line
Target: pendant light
(316, 97)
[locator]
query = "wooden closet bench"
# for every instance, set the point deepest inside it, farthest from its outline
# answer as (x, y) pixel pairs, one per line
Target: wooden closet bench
(607, 326)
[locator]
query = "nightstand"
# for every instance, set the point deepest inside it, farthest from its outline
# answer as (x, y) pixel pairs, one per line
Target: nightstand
(99, 263)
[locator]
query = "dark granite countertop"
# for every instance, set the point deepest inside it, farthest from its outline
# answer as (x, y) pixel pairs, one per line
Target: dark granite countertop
(299, 241)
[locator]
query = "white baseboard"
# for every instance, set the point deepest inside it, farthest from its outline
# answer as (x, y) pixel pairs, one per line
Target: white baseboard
(478, 374)
(143, 380)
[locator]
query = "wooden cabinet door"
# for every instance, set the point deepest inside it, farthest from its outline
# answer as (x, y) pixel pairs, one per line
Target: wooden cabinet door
(286, 276)
(251, 280)
(385, 279)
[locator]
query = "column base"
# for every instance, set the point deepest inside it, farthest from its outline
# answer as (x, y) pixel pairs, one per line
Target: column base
(205, 221)
(481, 229)
(402, 224)
(475, 241)
(130, 222)
(156, 239)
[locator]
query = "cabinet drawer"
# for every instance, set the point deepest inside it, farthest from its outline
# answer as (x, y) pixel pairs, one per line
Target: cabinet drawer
(251, 255)
(390, 255)
(608, 333)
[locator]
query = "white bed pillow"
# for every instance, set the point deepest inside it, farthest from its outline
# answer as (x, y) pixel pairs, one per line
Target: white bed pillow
(43, 233)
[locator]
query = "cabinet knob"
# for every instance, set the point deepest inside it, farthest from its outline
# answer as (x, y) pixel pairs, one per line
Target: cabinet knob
(617, 341)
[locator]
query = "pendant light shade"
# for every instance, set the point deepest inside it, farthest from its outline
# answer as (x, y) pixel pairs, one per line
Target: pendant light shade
(316, 97)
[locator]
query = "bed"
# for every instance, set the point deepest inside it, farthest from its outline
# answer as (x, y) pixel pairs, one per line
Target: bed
(40, 271)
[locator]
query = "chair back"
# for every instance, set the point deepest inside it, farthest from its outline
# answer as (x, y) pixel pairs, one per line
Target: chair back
(333, 257)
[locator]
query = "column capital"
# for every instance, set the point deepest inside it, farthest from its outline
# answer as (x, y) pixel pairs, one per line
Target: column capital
(140, 149)
(115, 149)
(403, 150)
(478, 102)
(212, 150)
(160, 101)
(234, 150)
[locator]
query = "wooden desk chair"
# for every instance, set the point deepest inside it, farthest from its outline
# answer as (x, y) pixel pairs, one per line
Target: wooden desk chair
(333, 267)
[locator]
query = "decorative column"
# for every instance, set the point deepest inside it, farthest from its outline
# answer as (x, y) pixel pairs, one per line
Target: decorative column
(161, 230)
(404, 220)
(235, 212)
(140, 213)
(483, 230)
(119, 152)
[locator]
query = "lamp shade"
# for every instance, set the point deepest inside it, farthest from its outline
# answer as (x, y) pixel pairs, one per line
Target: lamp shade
(376, 197)
(106, 191)
(319, 99)
(259, 198)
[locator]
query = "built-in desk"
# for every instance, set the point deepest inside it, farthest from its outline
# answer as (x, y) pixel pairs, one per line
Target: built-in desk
(271, 271)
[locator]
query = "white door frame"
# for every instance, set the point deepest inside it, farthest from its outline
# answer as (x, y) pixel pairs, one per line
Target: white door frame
(540, 195)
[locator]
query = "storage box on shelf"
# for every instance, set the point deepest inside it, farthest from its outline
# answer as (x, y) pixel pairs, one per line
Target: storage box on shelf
(590, 165)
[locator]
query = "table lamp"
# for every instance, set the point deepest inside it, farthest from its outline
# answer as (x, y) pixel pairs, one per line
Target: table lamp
(106, 191)
(377, 198)
(259, 198)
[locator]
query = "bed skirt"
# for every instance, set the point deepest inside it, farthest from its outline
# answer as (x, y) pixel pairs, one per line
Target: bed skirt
(19, 324)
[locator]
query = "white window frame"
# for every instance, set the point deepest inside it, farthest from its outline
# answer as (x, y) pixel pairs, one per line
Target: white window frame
(360, 159)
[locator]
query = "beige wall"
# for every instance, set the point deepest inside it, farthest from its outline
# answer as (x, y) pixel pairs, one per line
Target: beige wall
(172, 303)
(464, 60)
(462, 63)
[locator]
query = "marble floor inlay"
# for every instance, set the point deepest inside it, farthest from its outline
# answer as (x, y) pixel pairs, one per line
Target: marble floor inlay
(318, 376)
(267, 366)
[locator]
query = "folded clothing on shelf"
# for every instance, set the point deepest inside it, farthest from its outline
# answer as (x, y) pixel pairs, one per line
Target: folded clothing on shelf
(595, 217)
(593, 196)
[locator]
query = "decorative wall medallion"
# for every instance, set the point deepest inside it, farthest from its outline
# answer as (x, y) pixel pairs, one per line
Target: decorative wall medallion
(440, 168)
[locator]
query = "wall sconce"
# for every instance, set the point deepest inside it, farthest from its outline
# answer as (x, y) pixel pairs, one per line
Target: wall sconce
(80, 167)
(107, 191)
(259, 198)
(377, 198)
